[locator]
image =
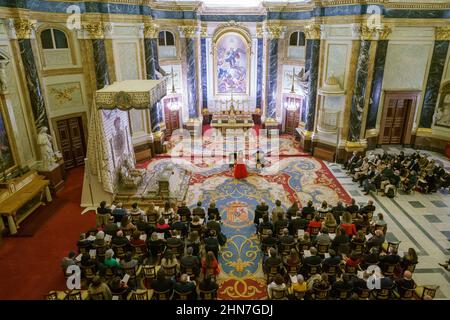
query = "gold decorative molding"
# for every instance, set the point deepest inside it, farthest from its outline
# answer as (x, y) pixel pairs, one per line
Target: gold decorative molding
(204, 32)
(232, 26)
(275, 31)
(189, 31)
(151, 30)
(63, 95)
(424, 132)
(312, 31)
(355, 145)
(372, 133)
(442, 33)
(384, 32)
(23, 28)
(259, 31)
(96, 30)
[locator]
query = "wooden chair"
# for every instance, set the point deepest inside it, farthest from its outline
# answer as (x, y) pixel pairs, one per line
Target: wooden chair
(100, 252)
(315, 231)
(190, 272)
(312, 269)
(162, 295)
(344, 294)
(350, 269)
(321, 294)
(393, 245)
(120, 250)
(411, 268)
(263, 233)
(322, 249)
(133, 272)
(292, 270)
(181, 295)
(176, 250)
(357, 247)
(52, 295)
(286, 248)
(83, 250)
(208, 295)
(383, 294)
(97, 296)
(170, 271)
(88, 272)
(406, 293)
(149, 274)
(73, 295)
(128, 232)
(331, 229)
(272, 272)
(139, 294)
(139, 252)
(388, 269)
(299, 295)
(278, 294)
(330, 270)
(110, 273)
(426, 290)
(363, 293)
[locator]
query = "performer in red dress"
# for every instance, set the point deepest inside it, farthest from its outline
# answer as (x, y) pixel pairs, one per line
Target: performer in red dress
(240, 170)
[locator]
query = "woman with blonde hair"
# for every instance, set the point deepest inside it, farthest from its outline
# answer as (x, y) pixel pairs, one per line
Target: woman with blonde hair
(324, 209)
(167, 212)
(330, 221)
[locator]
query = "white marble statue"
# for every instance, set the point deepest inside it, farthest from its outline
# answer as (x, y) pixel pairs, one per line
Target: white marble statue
(44, 141)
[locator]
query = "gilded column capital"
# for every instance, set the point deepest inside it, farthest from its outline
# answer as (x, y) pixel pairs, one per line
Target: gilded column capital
(204, 32)
(275, 31)
(259, 31)
(188, 31)
(368, 33)
(312, 31)
(151, 30)
(442, 33)
(23, 28)
(96, 30)
(384, 32)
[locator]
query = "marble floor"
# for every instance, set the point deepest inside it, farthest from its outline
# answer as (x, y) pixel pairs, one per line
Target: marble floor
(421, 221)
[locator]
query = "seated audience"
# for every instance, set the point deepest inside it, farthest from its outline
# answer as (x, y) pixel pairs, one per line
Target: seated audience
(99, 290)
(277, 284)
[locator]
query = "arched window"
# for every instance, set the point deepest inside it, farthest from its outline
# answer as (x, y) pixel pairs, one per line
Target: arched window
(296, 48)
(54, 39)
(166, 38)
(297, 39)
(167, 48)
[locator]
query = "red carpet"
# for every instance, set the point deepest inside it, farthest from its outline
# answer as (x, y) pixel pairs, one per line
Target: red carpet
(29, 266)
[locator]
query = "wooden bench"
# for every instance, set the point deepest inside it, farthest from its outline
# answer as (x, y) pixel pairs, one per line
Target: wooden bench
(324, 154)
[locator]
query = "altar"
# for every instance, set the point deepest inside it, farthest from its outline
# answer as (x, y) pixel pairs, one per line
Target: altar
(232, 120)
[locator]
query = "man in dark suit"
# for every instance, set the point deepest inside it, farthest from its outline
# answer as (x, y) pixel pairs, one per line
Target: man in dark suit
(391, 259)
(103, 213)
(119, 212)
(286, 238)
(314, 259)
(141, 225)
(369, 207)
(376, 241)
(120, 239)
(280, 224)
(341, 241)
(261, 209)
(297, 223)
(338, 211)
(185, 286)
(213, 224)
(353, 207)
(273, 260)
(175, 240)
(111, 227)
(199, 211)
(404, 283)
(309, 210)
(179, 225)
(184, 212)
(332, 260)
(190, 261)
(269, 242)
(352, 160)
(266, 224)
(212, 244)
(161, 283)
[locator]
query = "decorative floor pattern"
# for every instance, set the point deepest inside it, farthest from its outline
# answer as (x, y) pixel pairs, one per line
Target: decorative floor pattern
(296, 179)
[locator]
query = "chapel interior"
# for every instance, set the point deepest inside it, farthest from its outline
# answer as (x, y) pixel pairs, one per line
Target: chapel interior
(230, 150)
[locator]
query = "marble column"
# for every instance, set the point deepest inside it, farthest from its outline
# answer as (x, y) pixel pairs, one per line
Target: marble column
(23, 29)
(96, 32)
(434, 78)
(151, 32)
(377, 83)
(272, 71)
(357, 108)
(312, 34)
(204, 73)
(259, 71)
(190, 34)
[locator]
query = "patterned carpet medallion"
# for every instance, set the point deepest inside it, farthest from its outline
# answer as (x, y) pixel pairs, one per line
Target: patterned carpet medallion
(289, 179)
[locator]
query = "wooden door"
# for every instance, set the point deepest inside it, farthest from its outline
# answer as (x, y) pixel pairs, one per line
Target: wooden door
(292, 121)
(172, 120)
(397, 119)
(71, 138)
